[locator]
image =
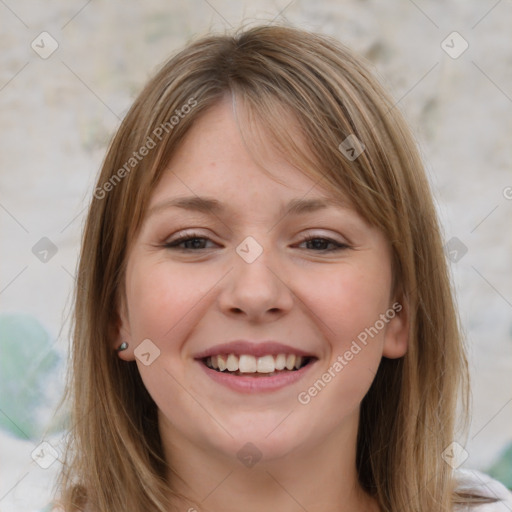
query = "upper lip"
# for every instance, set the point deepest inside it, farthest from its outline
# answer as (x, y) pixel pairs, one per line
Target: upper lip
(254, 348)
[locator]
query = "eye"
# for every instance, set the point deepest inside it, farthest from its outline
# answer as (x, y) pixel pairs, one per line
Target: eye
(320, 242)
(195, 242)
(195, 238)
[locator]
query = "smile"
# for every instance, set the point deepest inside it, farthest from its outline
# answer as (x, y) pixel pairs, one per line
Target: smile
(247, 364)
(250, 374)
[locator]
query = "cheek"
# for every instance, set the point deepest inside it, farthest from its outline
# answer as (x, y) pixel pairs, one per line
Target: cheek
(161, 298)
(162, 306)
(349, 301)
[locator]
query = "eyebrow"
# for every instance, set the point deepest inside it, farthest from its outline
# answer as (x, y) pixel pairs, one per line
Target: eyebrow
(213, 206)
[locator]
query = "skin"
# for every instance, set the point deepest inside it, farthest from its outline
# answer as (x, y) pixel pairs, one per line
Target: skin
(294, 292)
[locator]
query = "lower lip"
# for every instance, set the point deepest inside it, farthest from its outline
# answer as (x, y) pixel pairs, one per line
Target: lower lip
(256, 384)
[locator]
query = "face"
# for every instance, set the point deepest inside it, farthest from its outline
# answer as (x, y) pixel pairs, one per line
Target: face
(240, 285)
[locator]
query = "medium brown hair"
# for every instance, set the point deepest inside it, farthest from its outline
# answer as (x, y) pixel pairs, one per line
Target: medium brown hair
(407, 418)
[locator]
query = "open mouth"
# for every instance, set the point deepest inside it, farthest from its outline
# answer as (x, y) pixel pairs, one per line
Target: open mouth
(251, 366)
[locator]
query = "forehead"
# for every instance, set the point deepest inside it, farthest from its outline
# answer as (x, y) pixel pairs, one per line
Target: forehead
(215, 160)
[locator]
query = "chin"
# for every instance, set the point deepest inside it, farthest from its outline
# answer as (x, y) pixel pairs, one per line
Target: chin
(268, 440)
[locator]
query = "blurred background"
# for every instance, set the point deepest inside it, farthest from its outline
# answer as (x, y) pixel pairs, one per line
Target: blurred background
(70, 70)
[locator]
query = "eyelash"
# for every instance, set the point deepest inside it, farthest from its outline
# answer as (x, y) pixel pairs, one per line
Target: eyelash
(195, 236)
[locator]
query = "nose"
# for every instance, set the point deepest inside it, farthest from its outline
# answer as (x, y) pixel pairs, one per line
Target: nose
(257, 289)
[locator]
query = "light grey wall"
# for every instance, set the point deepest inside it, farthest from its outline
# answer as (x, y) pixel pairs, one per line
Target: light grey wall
(58, 113)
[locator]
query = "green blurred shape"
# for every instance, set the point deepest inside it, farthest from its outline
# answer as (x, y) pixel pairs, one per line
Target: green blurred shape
(501, 470)
(27, 376)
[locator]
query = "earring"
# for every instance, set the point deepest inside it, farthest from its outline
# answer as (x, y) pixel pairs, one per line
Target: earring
(122, 347)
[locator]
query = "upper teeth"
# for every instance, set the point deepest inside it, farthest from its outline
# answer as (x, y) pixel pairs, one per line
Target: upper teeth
(252, 364)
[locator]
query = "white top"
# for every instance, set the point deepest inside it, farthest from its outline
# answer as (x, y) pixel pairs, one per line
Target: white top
(487, 486)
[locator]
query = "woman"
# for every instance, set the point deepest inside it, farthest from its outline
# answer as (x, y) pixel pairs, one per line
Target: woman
(263, 311)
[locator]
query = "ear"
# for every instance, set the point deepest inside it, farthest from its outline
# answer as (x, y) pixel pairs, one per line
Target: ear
(396, 339)
(121, 333)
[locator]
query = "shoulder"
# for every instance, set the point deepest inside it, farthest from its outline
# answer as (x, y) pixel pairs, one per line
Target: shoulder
(470, 479)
